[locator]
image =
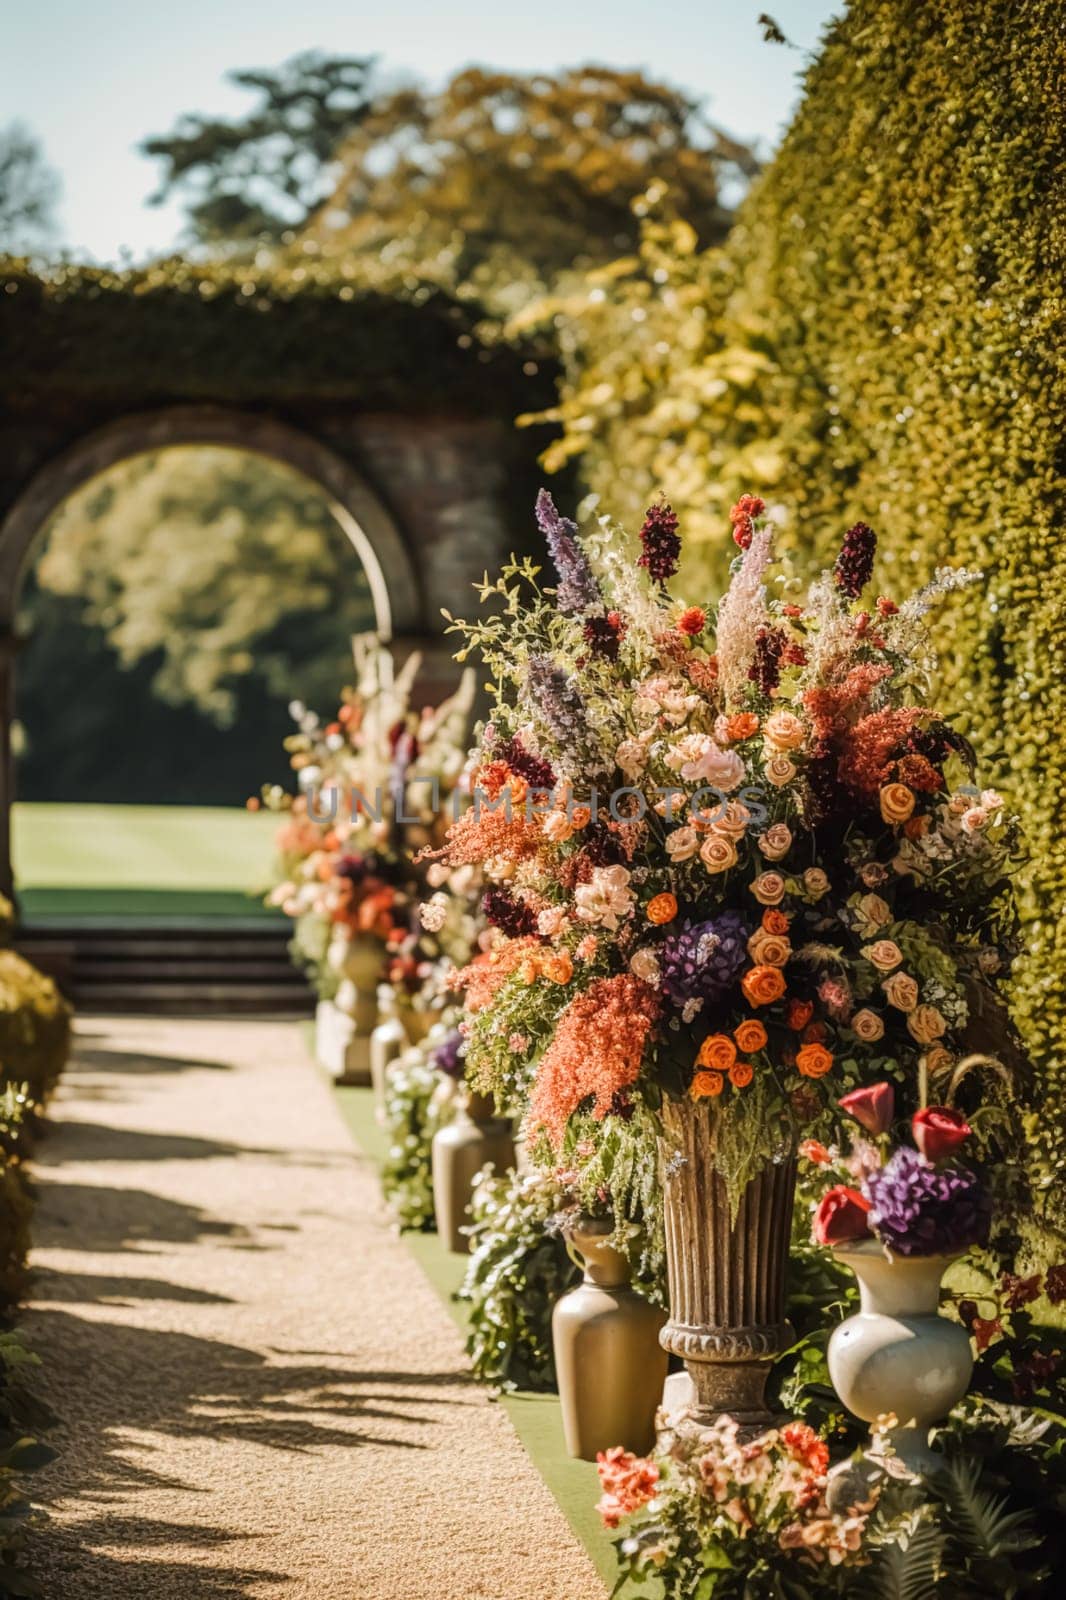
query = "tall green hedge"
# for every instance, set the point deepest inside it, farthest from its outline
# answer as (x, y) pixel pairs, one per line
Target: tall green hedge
(906, 255)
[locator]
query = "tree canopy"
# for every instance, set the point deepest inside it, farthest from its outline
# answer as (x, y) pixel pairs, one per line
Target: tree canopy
(263, 174)
(29, 190)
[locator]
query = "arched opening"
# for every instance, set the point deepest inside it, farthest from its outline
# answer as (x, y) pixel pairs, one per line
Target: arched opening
(162, 640)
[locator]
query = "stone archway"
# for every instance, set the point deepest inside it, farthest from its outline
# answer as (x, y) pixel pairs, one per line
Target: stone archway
(390, 570)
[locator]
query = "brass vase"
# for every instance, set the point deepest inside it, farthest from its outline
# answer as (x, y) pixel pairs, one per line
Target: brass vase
(726, 1273)
(475, 1138)
(608, 1359)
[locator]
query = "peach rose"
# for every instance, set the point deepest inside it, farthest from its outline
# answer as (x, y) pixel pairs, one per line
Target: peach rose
(769, 949)
(901, 991)
(682, 844)
(885, 955)
(741, 1074)
(873, 873)
(769, 888)
(779, 770)
(783, 730)
(763, 985)
(815, 882)
(750, 1036)
(705, 1085)
(938, 1060)
(718, 853)
(897, 803)
(776, 841)
(717, 1052)
(813, 1061)
(874, 911)
(925, 1024)
(868, 1025)
(732, 822)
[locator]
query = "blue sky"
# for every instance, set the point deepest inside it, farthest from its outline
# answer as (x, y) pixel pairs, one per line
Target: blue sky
(92, 79)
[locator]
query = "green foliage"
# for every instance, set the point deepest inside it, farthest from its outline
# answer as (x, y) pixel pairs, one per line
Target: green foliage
(34, 1028)
(217, 564)
(22, 1417)
(415, 1107)
(880, 339)
(499, 182)
(519, 1266)
(261, 175)
(29, 190)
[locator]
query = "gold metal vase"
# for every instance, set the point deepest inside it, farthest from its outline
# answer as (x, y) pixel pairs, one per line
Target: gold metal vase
(608, 1359)
(726, 1273)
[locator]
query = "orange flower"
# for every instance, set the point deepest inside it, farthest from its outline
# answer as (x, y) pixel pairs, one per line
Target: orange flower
(718, 1052)
(774, 921)
(692, 621)
(813, 1061)
(741, 1074)
(705, 1085)
(915, 827)
(558, 966)
(814, 1033)
(763, 985)
(799, 1013)
(742, 726)
(750, 1036)
(662, 908)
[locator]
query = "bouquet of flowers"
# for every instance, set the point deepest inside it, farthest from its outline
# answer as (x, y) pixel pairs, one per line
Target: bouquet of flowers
(732, 1511)
(916, 1200)
(732, 854)
(373, 785)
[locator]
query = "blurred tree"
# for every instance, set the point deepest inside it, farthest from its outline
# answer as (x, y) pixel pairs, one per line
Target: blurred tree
(263, 174)
(217, 566)
(29, 190)
(503, 180)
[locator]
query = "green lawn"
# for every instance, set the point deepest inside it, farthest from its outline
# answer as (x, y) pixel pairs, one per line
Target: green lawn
(155, 861)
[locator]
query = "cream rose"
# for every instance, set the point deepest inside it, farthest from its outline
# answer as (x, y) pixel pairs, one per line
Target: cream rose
(732, 820)
(776, 841)
(783, 730)
(897, 803)
(974, 820)
(925, 1024)
(718, 853)
(644, 964)
(769, 949)
(885, 955)
(779, 770)
(815, 882)
(901, 991)
(873, 911)
(682, 844)
(868, 1025)
(632, 758)
(769, 888)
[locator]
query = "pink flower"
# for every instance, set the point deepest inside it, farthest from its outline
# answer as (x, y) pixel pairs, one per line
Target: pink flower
(628, 1482)
(939, 1131)
(873, 1108)
(841, 1216)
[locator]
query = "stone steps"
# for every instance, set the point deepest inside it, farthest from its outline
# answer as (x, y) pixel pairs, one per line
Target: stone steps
(174, 969)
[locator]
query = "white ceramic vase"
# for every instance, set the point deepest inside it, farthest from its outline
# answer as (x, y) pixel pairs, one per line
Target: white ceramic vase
(897, 1354)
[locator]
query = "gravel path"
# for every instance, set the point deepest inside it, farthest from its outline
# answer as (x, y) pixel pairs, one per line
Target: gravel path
(259, 1393)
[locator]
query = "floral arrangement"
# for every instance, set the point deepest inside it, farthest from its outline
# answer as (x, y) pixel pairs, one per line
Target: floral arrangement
(731, 854)
(716, 1515)
(915, 1200)
(372, 787)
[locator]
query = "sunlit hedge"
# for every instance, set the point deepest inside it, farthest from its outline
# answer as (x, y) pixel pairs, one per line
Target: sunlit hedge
(896, 282)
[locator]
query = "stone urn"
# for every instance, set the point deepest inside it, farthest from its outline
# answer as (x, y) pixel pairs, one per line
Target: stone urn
(725, 1273)
(610, 1364)
(358, 960)
(476, 1137)
(897, 1354)
(388, 1041)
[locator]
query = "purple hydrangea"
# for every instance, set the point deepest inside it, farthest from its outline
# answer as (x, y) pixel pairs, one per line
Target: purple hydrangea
(448, 1056)
(577, 589)
(917, 1210)
(703, 960)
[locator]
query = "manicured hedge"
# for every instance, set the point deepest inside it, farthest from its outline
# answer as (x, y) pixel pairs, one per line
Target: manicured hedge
(906, 255)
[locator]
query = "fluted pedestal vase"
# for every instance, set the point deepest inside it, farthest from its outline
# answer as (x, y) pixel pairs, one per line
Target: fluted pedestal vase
(897, 1355)
(726, 1274)
(359, 961)
(476, 1137)
(610, 1366)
